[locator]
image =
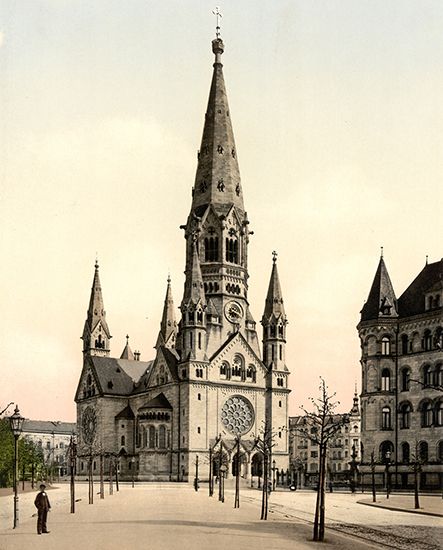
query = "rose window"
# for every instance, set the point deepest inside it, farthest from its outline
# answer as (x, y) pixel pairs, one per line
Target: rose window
(237, 415)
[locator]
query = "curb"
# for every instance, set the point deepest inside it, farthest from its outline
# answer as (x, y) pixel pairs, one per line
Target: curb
(396, 509)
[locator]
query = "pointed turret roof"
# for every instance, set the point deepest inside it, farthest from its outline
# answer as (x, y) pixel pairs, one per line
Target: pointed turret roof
(168, 325)
(355, 403)
(217, 180)
(381, 301)
(194, 290)
(274, 299)
(96, 311)
(127, 352)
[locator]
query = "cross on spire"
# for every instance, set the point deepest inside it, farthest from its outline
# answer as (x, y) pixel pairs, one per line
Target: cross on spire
(274, 256)
(218, 15)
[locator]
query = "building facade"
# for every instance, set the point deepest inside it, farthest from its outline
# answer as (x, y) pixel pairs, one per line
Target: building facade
(209, 383)
(53, 438)
(402, 378)
(343, 454)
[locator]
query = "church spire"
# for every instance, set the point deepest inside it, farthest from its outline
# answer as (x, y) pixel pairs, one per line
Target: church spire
(127, 353)
(194, 291)
(96, 333)
(381, 301)
(217, 180)
(274, 322)
(168, 325)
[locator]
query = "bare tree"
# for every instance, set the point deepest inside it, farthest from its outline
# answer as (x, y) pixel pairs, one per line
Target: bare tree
(416, 463)
(264, 444)
(321, 425)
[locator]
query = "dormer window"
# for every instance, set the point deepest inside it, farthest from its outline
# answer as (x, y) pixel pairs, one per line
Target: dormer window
(385, 306)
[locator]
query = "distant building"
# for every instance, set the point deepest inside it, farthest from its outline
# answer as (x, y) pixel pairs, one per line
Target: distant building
(402, 377)
(345, 447)
(53, 437)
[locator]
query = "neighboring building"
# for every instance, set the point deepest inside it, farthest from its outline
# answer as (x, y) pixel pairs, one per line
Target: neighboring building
(53, 437)
(208, 376)
(342, 450)
(402, 377)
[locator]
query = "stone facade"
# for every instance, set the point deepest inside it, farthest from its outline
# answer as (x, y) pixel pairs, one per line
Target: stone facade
(402, 378)
(342, 450)
(209, 382)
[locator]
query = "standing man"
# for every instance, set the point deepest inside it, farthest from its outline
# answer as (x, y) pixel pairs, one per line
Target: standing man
(42, 504)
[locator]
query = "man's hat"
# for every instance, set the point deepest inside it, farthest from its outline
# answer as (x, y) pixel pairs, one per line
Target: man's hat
(42, 486)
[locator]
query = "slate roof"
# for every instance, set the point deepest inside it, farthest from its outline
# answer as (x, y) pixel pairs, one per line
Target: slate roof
(381, 292)
(159, 402)
(127, 414)
(118, 376)
(47, 426)
(412, 301)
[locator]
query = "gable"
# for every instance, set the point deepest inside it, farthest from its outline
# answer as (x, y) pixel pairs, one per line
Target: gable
(88, 384)
(234, 349)
(164, 369)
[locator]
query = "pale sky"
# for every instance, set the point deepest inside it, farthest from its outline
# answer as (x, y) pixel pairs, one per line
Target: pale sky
(338, 119)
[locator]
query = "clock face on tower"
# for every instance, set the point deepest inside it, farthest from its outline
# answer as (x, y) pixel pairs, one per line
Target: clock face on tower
(89, 425)
(237, 415)
(233, 311)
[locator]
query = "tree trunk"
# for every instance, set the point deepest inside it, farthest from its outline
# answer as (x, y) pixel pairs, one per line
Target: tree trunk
(237, 477)
(416, 487)
(102, 480)
(317, 502)
(111, 474)
(91, 482)
(321, 531)
(264, 502)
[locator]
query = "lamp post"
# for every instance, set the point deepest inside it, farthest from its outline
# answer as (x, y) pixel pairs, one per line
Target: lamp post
(16, 422)
(196, 474)
(133, 468)
(222, 471)
(273, 475)
(353, 465)
(72, 462)
(388, 463)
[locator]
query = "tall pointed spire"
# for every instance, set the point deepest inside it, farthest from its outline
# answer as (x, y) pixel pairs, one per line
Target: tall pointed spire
(381, 301)
(355, 402)
(194, 291)
(96, 333)
(274, 299)
(168, 326)
(217, 180)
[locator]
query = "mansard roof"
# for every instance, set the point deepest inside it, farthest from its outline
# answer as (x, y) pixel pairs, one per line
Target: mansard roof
(412, 301)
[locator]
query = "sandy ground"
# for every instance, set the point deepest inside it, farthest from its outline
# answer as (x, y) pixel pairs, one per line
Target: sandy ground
(173, 516)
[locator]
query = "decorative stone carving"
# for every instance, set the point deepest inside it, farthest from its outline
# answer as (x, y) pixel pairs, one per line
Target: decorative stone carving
(237, 415)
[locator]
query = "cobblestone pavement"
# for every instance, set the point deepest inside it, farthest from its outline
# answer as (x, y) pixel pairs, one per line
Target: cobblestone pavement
(174, 517)
(389, 528)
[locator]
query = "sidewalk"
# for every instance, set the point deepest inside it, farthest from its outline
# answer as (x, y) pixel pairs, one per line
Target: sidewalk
(165, 517)
(429, 505)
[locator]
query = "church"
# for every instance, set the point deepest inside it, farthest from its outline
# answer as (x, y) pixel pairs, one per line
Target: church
(211, 387)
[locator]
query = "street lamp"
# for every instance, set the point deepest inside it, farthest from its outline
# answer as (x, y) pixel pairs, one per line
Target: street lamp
(133, 468)
(353, 465)
(196, 474)
(222, 470)
(72, 463)
(273, 475)
(16, 422)
(388, 463)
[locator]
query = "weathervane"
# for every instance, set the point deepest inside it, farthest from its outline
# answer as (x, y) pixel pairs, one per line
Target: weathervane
(217, 14)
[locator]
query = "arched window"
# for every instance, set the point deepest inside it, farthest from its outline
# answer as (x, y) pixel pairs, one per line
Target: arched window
(162, 437)
(122, 441)
(426, 414)
(428, 375)
(439, 413)
(385, 380)
(405, 452)
(427, 340)
(386, 451)
(404, 344)
(405, 415)
(405, 379)
(151, 437)
(238, 367)
(232, 250)
(386, 418)
(250, 373)
(211, 248)
(385, 345)
(224, 369)
(438, 376)
(423, 451)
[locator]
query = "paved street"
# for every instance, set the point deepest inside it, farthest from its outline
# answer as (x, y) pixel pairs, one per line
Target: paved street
(172, 516)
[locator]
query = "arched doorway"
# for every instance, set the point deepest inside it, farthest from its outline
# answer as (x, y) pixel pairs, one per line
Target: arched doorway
(257, 465)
